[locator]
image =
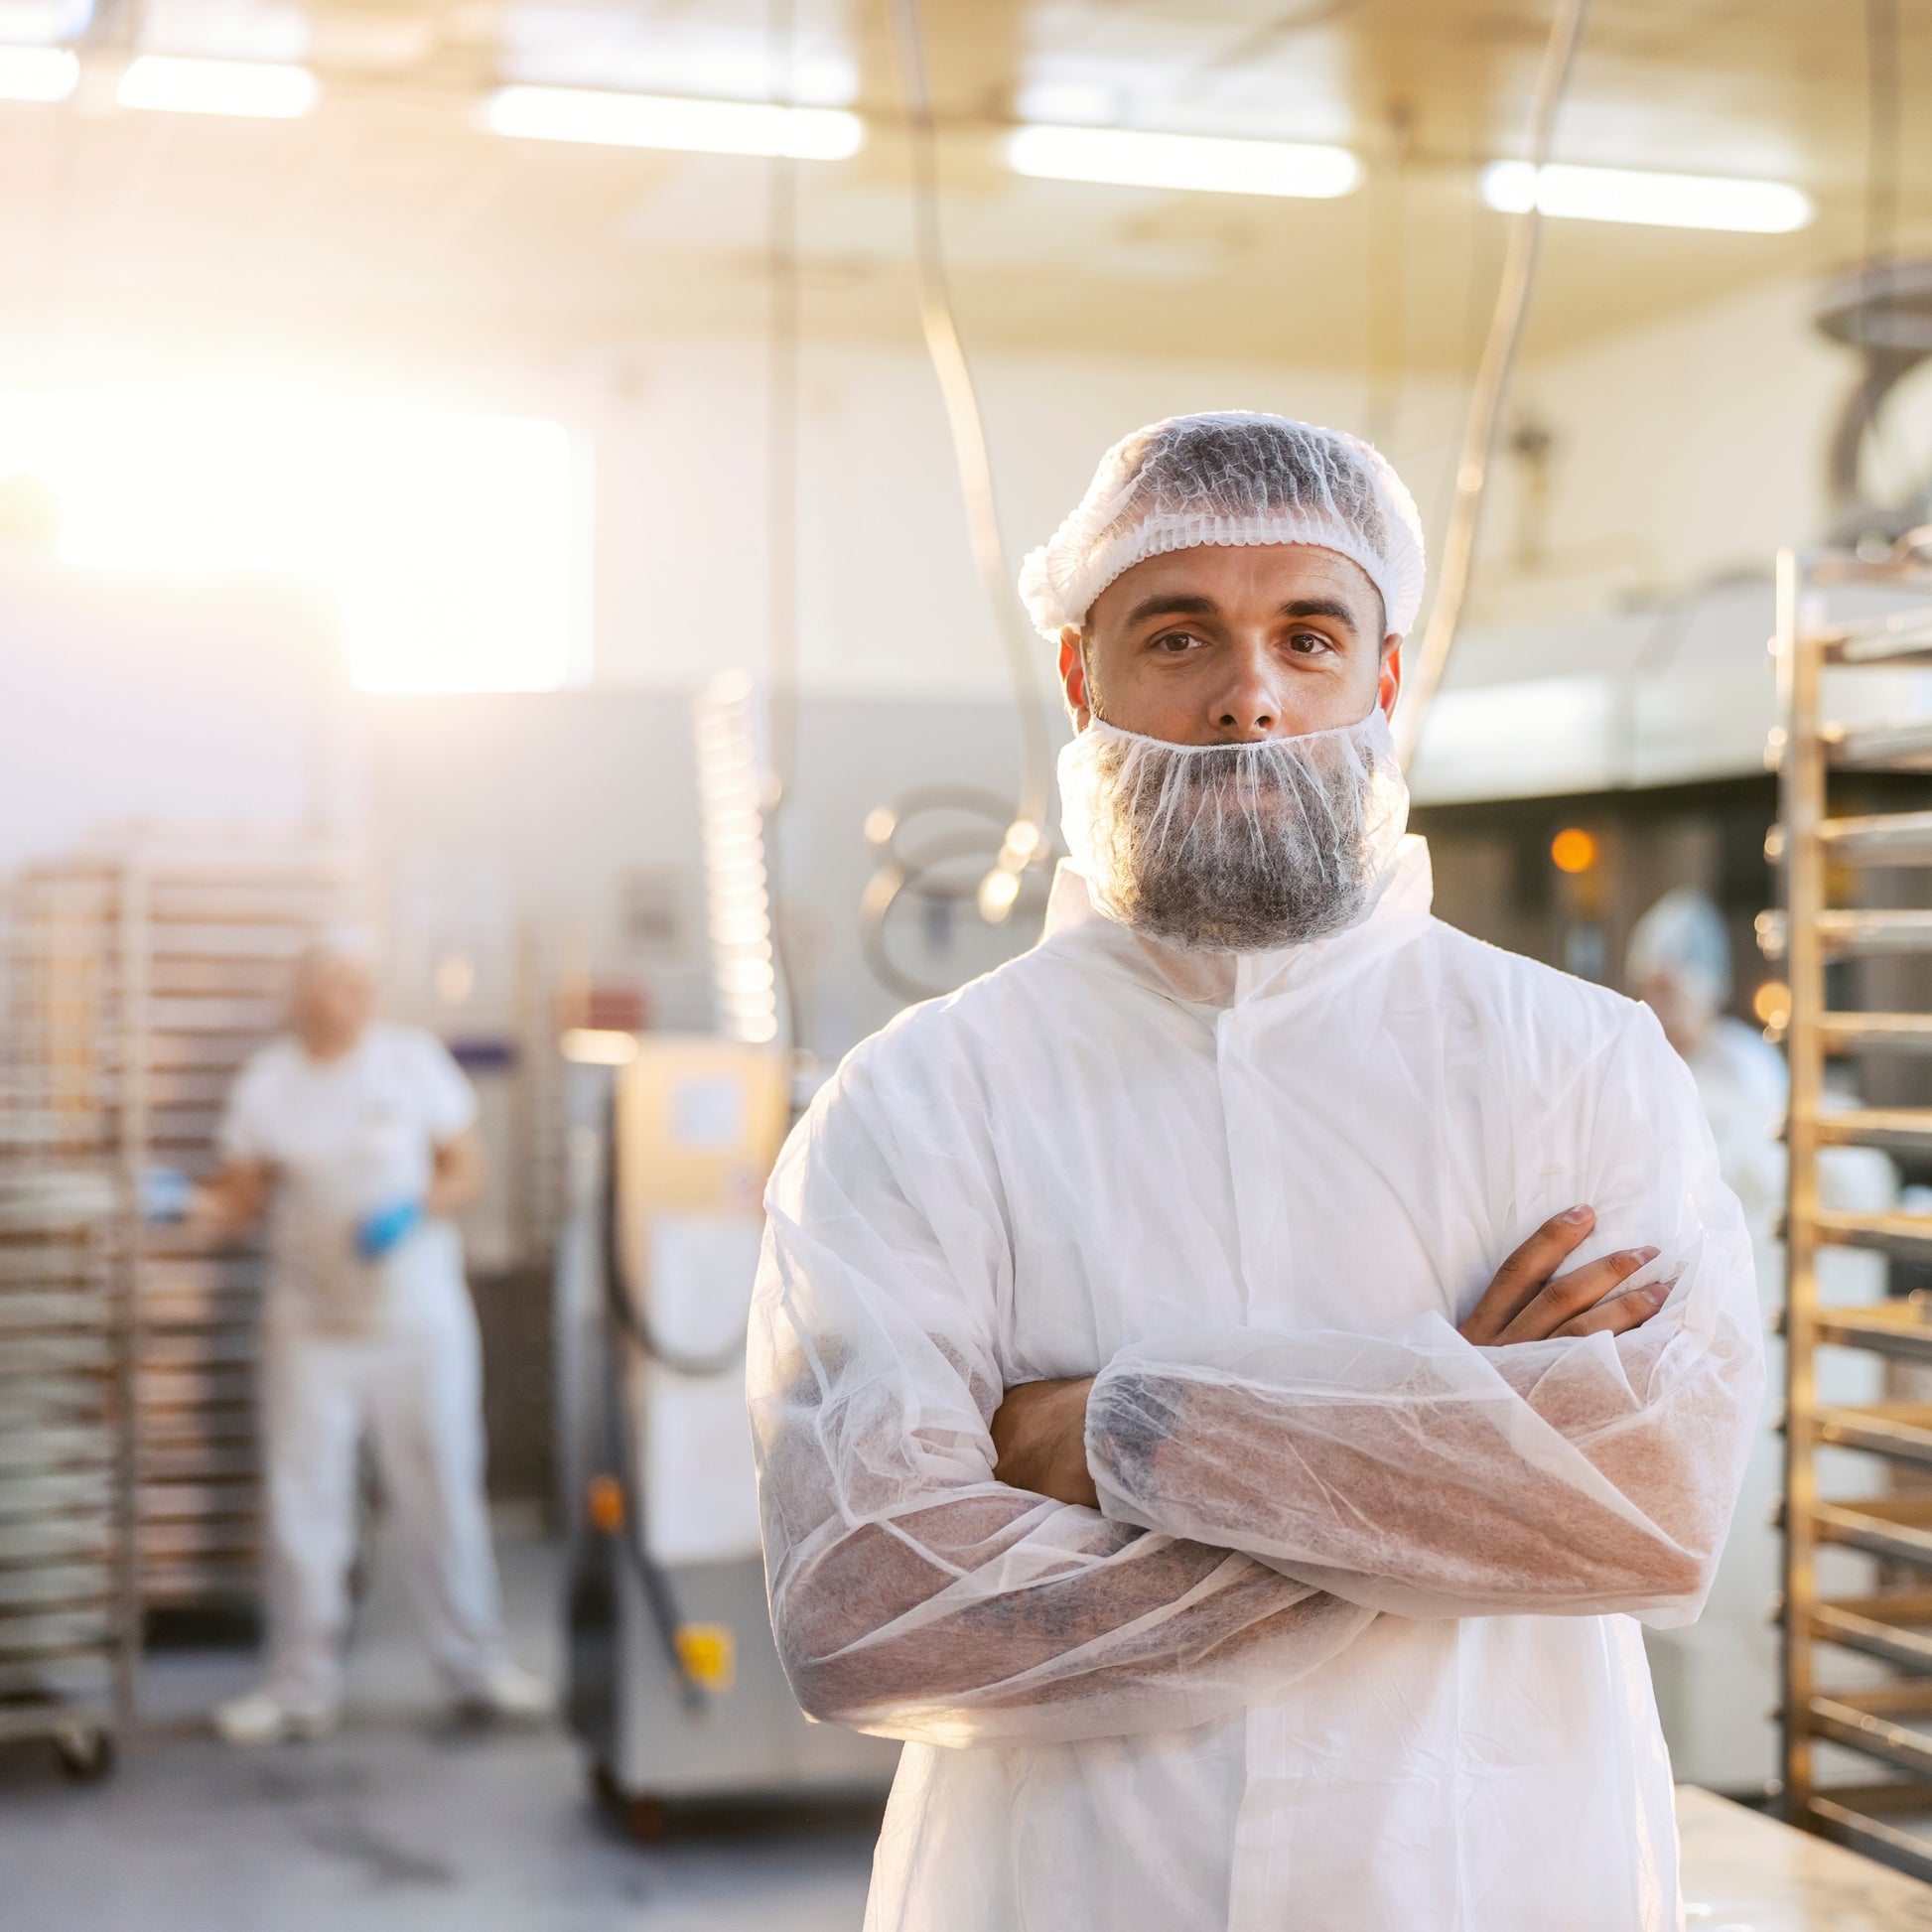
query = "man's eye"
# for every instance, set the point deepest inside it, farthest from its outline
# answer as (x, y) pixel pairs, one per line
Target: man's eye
(1305, 643)
(1173, 643)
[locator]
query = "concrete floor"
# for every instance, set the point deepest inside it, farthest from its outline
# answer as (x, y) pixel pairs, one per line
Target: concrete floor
(403, 1822)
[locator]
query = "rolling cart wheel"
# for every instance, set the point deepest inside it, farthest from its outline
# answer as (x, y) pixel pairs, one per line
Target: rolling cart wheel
(641, 1817)
(645, 1821)
(87, 1754)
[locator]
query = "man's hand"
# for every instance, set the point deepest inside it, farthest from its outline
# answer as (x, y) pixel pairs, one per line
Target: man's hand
(232, 1200)
(1039, 1434)
(461, 1173)
(1529, 1302)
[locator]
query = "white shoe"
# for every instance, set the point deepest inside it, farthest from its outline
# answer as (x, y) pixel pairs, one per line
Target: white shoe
(261, 1718)
(507, 1690)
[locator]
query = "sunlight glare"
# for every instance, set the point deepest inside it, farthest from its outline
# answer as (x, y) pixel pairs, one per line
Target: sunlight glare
(446, 539)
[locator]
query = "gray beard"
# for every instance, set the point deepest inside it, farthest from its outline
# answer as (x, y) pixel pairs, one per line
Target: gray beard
(1237, 848)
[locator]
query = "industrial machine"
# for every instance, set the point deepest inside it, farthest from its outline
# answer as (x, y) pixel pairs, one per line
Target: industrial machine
(675, 1684)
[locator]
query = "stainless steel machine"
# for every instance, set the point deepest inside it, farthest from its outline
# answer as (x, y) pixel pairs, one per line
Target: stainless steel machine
(675, 1684)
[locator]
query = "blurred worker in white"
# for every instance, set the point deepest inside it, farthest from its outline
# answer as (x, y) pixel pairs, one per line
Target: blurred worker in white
(1718, 1679)
(1175, 1415)
(1677, 963)
(358, 1138)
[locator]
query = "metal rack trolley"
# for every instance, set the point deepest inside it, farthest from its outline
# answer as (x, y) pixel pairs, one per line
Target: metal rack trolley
(1858, 1669)
(202, 938)
(69, 1616)
(214, 934)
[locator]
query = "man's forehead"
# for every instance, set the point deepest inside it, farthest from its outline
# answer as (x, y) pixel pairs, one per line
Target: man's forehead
(1276, 570)
(334, 969)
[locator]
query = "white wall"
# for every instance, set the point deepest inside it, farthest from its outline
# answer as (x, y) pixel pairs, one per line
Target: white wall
(1618, 636)
(888, 602)
(1692, 447)
(1683, 450)
(143, 701)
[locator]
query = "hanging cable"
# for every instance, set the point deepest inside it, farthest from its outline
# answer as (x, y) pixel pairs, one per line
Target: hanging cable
(1387, 214)
(781, 507)
(1881, 155)
(1023, 844)
(1878, 311)
(1491, 389)
(963, 414)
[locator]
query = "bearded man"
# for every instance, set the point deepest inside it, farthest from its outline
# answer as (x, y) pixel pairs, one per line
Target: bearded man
(1226, 1382)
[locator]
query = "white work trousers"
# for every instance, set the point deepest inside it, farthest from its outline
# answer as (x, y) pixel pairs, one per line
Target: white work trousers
(417, 1385)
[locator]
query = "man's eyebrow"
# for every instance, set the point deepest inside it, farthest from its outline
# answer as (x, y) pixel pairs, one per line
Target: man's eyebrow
(1321, 607)
(1171, 605)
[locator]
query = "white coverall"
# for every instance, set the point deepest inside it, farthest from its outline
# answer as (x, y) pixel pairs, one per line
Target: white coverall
(1349, 1646)
(389, 1345)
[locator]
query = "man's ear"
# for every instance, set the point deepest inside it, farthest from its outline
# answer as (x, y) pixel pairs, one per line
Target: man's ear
(1388, 683)
(1073, 677)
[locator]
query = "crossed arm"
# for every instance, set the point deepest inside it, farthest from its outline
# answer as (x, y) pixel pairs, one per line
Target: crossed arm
(1040, 1429)
(1261, 1495)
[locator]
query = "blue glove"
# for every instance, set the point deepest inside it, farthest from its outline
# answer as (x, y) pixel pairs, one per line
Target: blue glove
(165, 1193)
(377, 1233)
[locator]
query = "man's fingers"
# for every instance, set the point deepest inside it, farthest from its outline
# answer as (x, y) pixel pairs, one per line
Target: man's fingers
(1630, 1309)
(1575, 1294)
(1524, 1271)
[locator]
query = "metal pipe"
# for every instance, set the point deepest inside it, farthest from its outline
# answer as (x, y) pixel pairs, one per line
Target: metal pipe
(1491, 390)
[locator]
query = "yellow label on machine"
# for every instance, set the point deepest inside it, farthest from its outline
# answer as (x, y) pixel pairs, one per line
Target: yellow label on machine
(710, 1654)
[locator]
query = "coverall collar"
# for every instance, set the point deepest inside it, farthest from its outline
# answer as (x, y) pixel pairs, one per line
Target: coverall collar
(1402, 902)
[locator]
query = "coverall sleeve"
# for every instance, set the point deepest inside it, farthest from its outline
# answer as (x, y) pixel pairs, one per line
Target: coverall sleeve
(911, 1594)
(1417, 1474)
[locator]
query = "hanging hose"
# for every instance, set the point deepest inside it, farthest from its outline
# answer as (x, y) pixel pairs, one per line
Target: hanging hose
(781, 507)
(1023, 843)
(963, 415)
(1491, 389)
(626, 1309)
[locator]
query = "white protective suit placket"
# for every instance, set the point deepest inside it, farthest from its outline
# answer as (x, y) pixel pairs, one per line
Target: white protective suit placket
(1266, 1269)
(1258, 1879)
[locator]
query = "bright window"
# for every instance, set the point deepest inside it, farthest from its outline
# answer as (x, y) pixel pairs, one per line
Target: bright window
(449, 541)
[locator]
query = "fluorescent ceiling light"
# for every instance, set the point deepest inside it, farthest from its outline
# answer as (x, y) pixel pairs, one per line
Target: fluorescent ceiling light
(255, 90)
(670, 121)
(1655, 201)
(1187, 161)
(37, 73)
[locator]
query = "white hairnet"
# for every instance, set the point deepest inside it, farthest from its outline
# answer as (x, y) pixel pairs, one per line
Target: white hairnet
(1682, 938)
(1228, 477)
(344, 943)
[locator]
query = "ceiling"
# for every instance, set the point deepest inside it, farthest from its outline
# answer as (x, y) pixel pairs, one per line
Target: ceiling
(388, 213)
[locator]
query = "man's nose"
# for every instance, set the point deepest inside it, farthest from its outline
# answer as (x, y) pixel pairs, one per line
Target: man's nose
(1248, 703)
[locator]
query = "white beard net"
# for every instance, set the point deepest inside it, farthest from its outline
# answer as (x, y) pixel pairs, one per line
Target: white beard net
(1233, 848)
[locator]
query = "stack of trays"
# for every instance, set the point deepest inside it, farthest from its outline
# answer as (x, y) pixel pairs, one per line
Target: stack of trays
(68, 1617)
(153, 974)
(217, 938)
